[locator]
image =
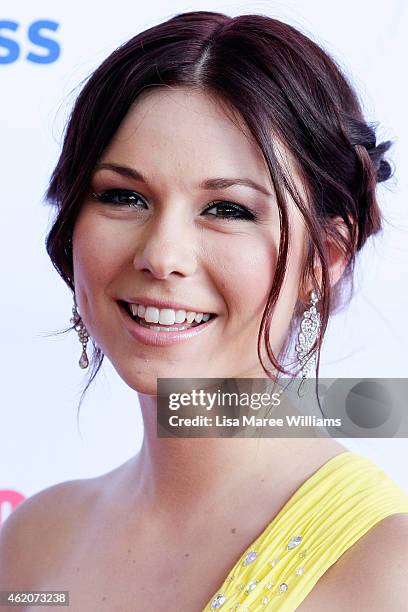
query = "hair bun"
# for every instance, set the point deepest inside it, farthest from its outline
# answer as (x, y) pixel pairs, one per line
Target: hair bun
(382, 166)
(361, 133)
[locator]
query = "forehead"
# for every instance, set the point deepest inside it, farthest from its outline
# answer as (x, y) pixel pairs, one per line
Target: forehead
(184, 131)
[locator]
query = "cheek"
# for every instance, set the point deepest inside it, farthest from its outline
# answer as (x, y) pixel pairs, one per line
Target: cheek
(98, 253)
(246, 273)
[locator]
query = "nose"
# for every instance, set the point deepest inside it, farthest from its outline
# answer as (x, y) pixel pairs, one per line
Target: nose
(166, 247)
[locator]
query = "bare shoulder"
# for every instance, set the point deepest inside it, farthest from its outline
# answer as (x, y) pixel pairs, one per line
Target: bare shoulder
(370, 576)
(38, 526)
(376, 567)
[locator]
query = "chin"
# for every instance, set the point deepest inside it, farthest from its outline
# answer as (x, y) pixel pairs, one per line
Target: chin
(145, 388)
(143, 377)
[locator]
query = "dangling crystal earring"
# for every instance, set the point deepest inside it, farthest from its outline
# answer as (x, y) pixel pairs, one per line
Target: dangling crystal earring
(309, 330)
(82, 334)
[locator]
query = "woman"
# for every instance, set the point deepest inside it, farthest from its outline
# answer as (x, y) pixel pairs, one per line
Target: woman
(216, 173)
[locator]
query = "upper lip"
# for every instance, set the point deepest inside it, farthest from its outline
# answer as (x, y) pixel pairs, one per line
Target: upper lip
(163, 304)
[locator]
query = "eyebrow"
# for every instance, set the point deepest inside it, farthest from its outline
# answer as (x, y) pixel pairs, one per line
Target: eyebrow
(210, 183)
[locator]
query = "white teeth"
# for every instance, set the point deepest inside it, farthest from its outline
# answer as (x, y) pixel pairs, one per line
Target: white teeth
(180, 316)
(152, 314)
(167, 316)
(191, 316)
(162, 328)
(135, 309)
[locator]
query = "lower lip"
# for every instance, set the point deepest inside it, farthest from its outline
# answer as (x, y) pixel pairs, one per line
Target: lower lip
(152, 337)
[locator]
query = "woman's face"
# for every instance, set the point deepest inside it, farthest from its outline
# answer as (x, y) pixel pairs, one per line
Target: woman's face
(201, 231)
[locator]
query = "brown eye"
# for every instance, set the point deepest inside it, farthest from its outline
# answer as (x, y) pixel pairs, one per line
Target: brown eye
(119, 197)
(231, 211)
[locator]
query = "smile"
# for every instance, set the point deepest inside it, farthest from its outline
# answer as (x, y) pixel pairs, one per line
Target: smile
(166, 316)
(163, 327)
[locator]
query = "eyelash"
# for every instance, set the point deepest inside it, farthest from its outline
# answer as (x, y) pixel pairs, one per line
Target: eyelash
(110, 195)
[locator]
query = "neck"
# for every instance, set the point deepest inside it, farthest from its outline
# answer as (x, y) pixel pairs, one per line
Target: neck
(182, 476)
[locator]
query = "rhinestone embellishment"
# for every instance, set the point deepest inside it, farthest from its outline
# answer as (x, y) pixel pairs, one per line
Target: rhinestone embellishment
(250, 557)
(294, 542)
(282, 588)
(83, 362)
(251, 585)
(218, 601)
(309, 326)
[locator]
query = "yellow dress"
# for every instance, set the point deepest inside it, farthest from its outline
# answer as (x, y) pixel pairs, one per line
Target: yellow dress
(329, 512)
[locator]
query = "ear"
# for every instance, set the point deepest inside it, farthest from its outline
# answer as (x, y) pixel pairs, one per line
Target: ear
(337, 257)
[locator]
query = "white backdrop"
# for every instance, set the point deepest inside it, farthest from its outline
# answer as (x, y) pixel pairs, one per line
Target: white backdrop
(40, 443)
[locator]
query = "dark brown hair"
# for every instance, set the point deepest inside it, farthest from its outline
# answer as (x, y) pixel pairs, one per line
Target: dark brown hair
(283, 86)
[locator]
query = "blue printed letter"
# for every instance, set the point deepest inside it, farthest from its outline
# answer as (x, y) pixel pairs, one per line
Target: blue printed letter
(36, 38)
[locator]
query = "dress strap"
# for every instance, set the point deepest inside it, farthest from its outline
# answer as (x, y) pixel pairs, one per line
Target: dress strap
(335, 507)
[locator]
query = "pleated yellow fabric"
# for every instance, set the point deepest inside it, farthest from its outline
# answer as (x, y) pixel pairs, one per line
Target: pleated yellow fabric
(335, 507)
